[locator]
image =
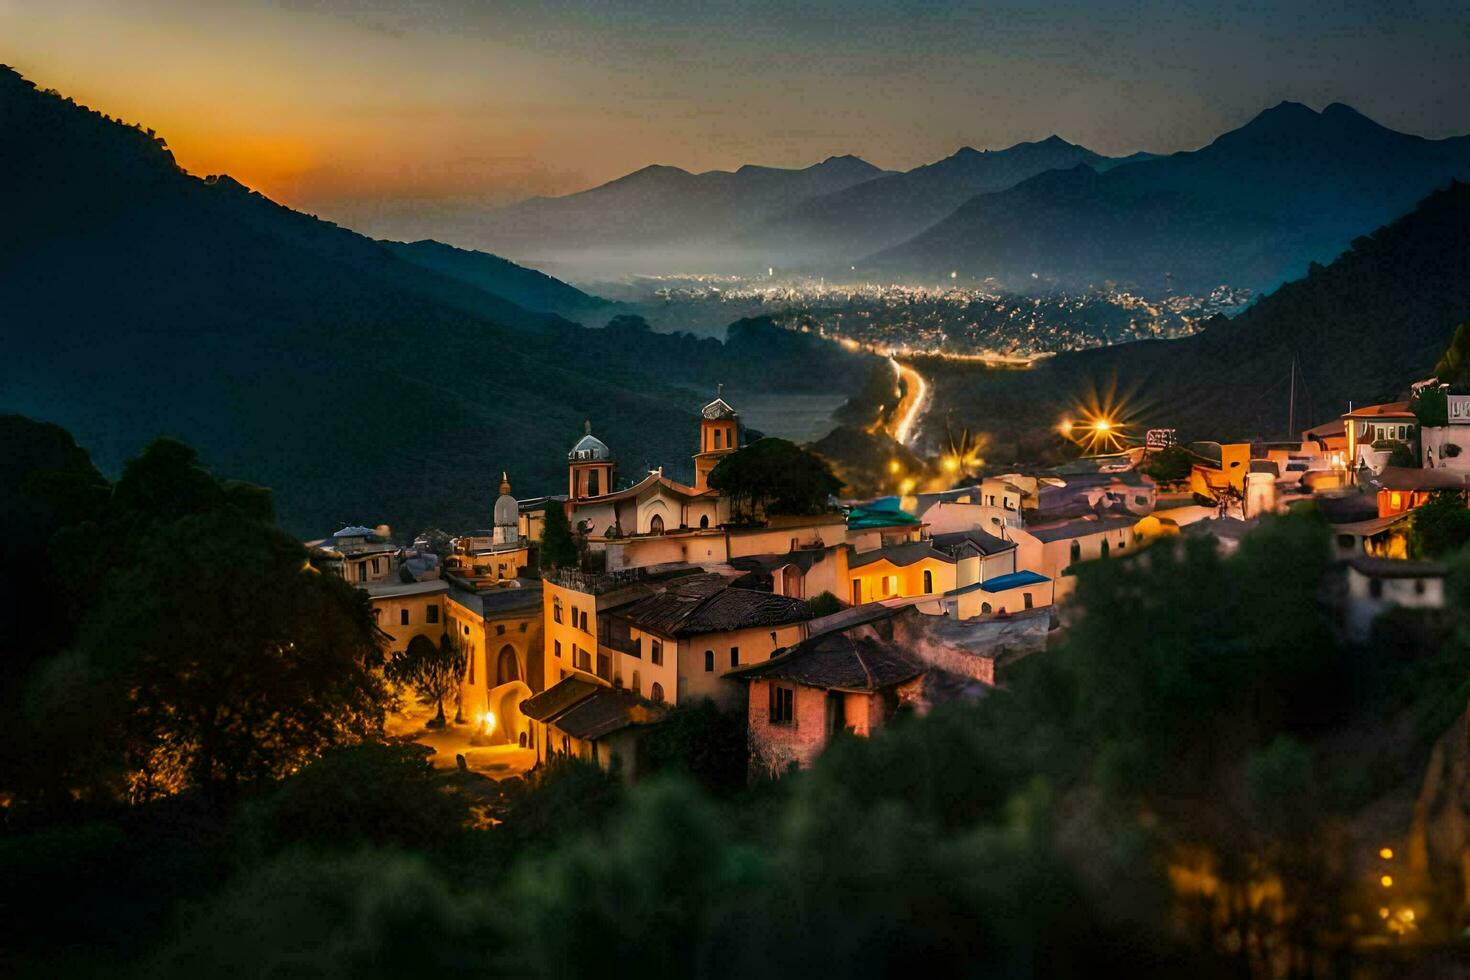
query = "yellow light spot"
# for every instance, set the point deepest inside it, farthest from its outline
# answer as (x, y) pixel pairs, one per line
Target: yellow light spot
(1383, 913)
(1066, 427)
(894, 466)
(951, 464)
(489, 721)
(1386, 853)
(1386, 881)
(1102, 425)
(906, 487)
(1407, 915)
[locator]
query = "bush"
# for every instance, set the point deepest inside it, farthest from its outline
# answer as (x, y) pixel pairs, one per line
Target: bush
(824, 604)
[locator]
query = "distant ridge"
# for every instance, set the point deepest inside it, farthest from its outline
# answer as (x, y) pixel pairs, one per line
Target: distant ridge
(525, 287)
(1252, 209)
(850, 223)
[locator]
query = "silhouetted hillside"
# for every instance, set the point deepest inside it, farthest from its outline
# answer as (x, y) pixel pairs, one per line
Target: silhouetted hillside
(852, 223)
(1361, 329)
(1251, 209)
(139, 300)
(525, 287)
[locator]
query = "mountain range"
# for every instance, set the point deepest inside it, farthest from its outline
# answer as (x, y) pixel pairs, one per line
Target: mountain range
(1251, 209)
(363, 381)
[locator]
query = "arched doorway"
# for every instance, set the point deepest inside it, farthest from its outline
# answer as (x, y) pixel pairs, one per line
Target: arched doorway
(504, 703)
(507, 667)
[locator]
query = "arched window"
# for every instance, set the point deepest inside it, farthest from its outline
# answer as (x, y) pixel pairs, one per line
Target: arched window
(656, 524)
(657, 692)
(1103, 551)
(1076, 550)
(985, 609)
(709, 661)
(507, 668)
(928, 581)
(704, 521)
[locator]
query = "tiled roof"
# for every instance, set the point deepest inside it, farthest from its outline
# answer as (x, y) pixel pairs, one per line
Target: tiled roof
(557, 698)
(1398, 568)
(900, 555)
(1079, 528)
(838, 661)
(985, 543)
(1393, 410)
(608, 711)
(709, 606)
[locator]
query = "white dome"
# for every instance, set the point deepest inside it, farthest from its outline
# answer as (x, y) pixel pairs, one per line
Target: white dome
(507, 511)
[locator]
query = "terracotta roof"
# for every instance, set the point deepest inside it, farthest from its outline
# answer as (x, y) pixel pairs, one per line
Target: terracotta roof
(838, 661)
(706, 606)
(644, 484)
(1395, 410)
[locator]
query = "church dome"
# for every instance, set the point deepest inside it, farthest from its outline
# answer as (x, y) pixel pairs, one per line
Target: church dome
(589, 447)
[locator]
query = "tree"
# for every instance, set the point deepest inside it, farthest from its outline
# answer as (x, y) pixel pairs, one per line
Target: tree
(775, 476)
(1170, 465)
(434, 671)
(558, 548)
(824, 604)
(1452, 365)
(226, 658)
(1441, 526)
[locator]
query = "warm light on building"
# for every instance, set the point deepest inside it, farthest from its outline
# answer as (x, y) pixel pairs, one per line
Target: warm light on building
(488, 721)
(1386, 853)
(1386, 881)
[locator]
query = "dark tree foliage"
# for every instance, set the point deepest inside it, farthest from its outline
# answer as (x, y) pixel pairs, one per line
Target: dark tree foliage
(824, 604)
(775, 476)
(701, 740)
(1452, 366)
(558, 547)
(1441, 526)
(432, 670)
(235, 661)
(1170, 465)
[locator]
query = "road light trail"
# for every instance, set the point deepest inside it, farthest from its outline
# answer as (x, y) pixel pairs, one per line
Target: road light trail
(915, 402)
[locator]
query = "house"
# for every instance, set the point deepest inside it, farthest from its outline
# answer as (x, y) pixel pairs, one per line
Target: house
(1001, 595)
(484, 558)
(933, 566)
(1219, 469)
(665, 632)
(852, 676)
(1372, 429)
(578, 719)
(1375, 585)
(696, 631)
(1400, 489)
(404, 585)
(1051, 549)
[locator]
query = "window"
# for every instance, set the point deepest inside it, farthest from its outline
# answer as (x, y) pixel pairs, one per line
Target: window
(704, 521)
(432, 614)
(499, 629)
(556, 609)
(471, 660)
(638, 647)
(656, 652)
(361, 572)
(985, 609)
(890, 584)
(656, 524)
(1418, 586)
(1076, 550)
(575, 623)
(637, 684)
(556, 647)
(377, 615)
(709, 661)
(657, 692)
(403, 617)
(1375, 588)
(928, 581)
(719, 437)
(523, 626)
(581, 659)
(375, 566)
(1103, 551)
(1026, 598)
(734, 656)
(466, 630)
(783, 704)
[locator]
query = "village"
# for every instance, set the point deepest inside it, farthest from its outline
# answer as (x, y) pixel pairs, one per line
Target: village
(809, 625)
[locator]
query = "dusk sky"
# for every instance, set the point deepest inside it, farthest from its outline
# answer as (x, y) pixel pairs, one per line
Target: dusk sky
(341, 105)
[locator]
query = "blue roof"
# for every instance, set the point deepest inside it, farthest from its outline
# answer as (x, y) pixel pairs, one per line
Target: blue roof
(1014, 580)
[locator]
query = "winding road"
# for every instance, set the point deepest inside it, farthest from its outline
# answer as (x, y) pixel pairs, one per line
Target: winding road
(911, 408)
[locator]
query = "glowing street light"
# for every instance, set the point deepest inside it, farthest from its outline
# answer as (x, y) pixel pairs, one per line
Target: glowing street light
(1386, 853)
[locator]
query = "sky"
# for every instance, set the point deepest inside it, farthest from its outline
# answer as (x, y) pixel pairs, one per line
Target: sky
(348, 108)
